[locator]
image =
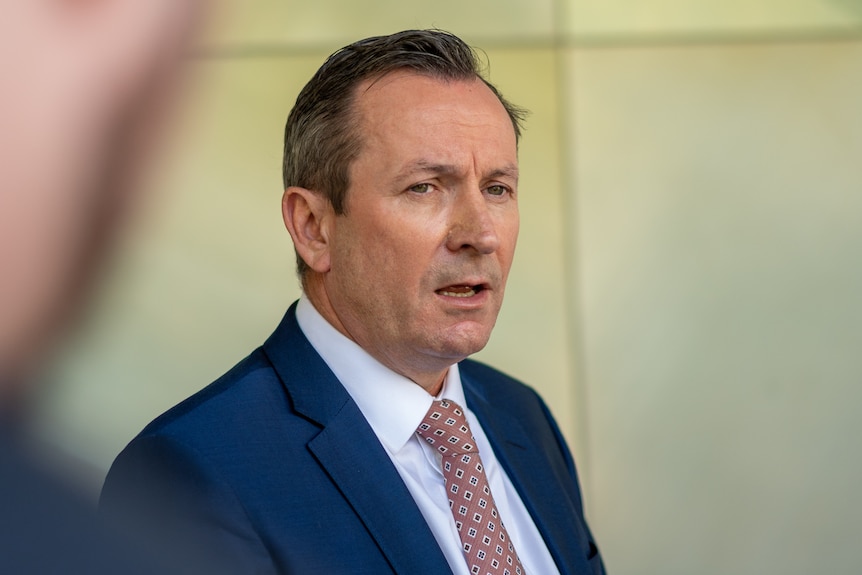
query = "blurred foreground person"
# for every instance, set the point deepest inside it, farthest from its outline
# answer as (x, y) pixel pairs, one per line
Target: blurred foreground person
(359, 438)
(82, 88)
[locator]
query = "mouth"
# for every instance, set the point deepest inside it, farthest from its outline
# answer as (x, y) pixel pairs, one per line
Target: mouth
(461, 291)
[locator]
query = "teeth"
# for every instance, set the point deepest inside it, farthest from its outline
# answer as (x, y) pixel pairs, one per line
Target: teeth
(470, 292)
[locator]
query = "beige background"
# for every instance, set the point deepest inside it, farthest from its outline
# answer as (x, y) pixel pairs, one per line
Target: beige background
(688, 289)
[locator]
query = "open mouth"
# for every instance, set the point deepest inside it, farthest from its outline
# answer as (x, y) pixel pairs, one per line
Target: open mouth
(461, 290)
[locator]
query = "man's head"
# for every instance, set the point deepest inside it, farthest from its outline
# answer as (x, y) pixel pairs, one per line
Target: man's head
(322, 136)
(401, 173)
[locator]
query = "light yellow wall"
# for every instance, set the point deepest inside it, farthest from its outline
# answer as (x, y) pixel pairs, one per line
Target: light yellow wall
(686, 292)
(624, 19)
(299, 25)
(719, 234)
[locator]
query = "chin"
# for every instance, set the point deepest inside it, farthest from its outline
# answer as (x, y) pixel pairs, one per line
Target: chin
(466, 345)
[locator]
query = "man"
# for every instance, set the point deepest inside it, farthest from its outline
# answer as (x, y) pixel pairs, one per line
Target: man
(327, 450)
(84, 84)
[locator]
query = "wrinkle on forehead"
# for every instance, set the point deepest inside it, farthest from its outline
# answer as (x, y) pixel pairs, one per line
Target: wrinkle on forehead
(426, 166)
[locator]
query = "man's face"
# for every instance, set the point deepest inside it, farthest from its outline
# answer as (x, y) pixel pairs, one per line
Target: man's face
(420, 259)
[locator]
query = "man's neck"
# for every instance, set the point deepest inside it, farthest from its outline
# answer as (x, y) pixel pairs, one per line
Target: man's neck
(430, 380)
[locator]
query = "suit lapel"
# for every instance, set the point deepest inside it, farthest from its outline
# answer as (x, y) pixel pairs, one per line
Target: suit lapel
(350, 452)
(531, 476)
(352, 456)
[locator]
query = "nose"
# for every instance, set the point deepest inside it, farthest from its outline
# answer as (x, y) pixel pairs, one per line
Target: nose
(473, 226)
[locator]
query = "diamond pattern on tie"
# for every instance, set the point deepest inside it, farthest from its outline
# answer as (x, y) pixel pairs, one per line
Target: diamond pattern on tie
(485, 541)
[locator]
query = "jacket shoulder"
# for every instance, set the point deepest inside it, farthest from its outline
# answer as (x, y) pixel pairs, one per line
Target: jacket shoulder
(251, 385)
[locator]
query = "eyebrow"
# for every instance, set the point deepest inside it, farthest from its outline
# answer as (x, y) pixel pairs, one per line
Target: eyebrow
(426, 166)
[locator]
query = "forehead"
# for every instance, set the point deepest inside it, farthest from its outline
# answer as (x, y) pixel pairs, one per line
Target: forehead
(406, 108)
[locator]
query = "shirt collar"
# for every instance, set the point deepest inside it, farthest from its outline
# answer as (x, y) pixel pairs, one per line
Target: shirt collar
(393, 404)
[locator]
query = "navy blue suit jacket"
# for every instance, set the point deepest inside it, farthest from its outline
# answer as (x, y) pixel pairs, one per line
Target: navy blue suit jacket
(273, 469)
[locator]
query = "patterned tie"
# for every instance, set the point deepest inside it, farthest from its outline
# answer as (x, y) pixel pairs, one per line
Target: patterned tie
(486, 544)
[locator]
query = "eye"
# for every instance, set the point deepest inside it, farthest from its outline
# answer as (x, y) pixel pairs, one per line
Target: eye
(420, 188)
(497, 190)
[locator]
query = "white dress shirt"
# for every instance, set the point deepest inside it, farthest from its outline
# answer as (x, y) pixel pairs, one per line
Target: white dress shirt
(394, 407)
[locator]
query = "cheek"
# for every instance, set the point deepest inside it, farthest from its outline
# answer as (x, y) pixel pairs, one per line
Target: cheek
(509, 240)
(406, 248)
(373, 261)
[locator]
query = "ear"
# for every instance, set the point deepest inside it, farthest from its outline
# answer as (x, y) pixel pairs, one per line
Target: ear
(308, 216)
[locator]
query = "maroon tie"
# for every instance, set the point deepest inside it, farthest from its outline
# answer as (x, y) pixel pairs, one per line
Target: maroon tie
(487, 546)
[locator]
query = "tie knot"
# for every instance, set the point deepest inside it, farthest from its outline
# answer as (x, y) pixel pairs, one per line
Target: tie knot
(445, 427)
